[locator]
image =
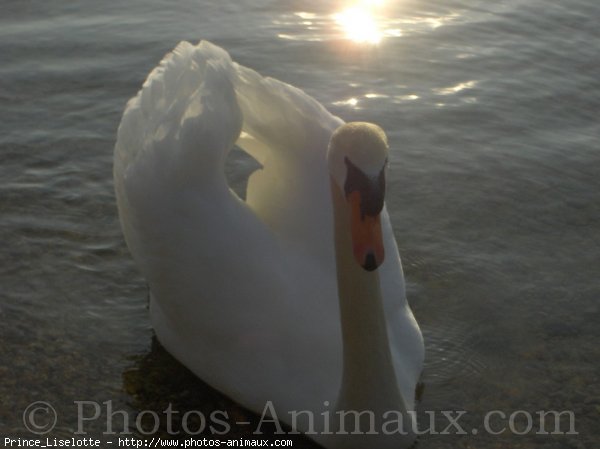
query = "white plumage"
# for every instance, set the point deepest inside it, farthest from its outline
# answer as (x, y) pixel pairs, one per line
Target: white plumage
(244, 293)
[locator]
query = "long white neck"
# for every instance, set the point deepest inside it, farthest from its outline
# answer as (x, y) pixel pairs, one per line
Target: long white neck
(368, 374)
(368, 381)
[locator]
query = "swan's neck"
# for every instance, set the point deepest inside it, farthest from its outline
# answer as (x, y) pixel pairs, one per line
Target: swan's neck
(368, 379)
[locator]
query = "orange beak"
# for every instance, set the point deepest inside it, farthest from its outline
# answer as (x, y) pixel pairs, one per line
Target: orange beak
(367, 240)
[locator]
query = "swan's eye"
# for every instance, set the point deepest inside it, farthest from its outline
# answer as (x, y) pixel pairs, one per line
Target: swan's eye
(371, 190)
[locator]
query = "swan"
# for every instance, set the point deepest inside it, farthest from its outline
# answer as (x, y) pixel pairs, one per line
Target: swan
(292, 301)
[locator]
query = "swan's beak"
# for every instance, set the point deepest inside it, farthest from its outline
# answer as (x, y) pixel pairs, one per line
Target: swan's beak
(367, 240)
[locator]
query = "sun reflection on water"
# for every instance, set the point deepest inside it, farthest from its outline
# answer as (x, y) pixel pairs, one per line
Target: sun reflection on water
(364, 22)
(360, 21)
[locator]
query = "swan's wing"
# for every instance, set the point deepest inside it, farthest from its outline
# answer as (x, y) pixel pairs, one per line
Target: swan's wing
(288, 132)
(173, 138)
(193, 239)
(188, 96)
(218, 299)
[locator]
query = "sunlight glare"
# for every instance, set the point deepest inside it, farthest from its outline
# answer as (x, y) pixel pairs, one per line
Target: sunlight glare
(359, 22)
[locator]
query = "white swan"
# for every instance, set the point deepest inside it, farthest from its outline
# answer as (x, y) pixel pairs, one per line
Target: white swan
(245, 293)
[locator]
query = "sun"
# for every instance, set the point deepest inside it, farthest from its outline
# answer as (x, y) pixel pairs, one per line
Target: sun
(359, 22)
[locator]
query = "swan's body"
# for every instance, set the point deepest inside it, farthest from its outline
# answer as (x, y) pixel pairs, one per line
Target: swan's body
(245, 294)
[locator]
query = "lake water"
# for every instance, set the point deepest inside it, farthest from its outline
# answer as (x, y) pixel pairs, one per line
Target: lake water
(491, 109)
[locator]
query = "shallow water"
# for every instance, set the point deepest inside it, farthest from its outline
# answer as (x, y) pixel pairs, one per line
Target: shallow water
(492, 114)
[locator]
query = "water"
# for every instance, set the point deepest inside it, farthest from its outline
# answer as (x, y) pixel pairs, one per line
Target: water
(491, 110)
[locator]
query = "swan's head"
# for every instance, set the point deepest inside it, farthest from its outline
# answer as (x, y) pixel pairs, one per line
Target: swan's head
(357, 160)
